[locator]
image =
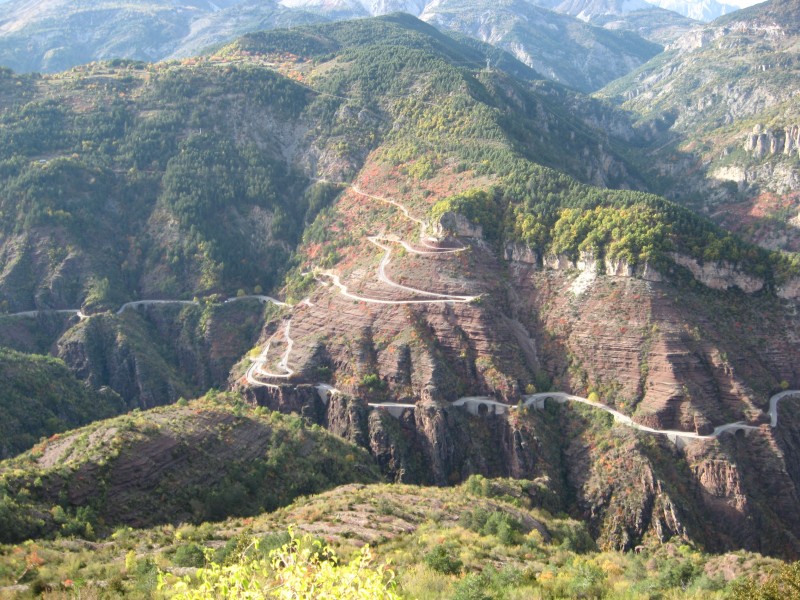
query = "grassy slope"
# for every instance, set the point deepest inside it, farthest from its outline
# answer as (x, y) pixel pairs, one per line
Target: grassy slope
(40, 397)
(484, 539)
(206, 460)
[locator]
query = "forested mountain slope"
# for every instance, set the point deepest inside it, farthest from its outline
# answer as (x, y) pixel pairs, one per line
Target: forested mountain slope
(450, 241)
(722, 103)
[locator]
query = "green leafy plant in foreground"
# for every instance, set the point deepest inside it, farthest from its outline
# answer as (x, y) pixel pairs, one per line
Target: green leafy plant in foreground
(303, 568)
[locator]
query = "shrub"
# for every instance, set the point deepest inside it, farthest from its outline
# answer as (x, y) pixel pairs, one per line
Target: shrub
(472, 587)
(497, 523)
(189, 555)
(302, 569)
(373, 382)
(679, 574)
(444, 559)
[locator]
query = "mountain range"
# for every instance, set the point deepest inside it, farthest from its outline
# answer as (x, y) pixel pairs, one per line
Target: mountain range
(52, 35)
(723, 102)
(565, 280)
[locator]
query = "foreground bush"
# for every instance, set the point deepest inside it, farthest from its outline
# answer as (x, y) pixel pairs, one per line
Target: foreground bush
(303, 568)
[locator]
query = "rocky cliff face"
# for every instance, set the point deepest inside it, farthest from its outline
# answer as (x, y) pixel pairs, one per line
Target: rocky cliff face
(157, 354)
(675, 349)
(719, 276)
(720, 102)
(764, 141)
(629, 487)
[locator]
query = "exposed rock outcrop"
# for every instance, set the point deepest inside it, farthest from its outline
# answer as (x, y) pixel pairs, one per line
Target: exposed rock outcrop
(615, 267)
(719, 275)
(763, 142)
(520, 253)
(451, 223)
(790, 290)
(156, 354)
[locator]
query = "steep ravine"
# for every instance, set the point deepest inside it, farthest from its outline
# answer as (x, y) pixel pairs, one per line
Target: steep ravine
(666, 350)
(629, 487)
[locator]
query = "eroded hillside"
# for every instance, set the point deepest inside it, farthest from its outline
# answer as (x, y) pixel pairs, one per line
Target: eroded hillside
(466, 292)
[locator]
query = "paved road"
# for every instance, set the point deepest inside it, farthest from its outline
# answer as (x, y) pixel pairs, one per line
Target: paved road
(773, 405)
(81, 315)
(382, 243)
(424, 238)
(139, 303)
(441, 299)
(537, 399)
(378, 241)
(472, 403)
(260, 298)
(259, 366)
(46, 311)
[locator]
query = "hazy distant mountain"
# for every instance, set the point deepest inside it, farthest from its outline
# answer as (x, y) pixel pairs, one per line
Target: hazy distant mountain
(246, 16)
(53, 35)
(558, 46)
(644, 18)
(702, 10)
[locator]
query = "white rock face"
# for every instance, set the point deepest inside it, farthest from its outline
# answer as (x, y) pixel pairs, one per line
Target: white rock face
(790, 290)
(456, 224)
(767, 142)
(585, 280)
(779, 177)
(702, 10)
(619, 268)
(719, 276)
(588, 267)
(732, 173)
(521, 253)
(558, 262)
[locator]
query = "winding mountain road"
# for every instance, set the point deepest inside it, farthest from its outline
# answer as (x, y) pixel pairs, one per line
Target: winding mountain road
(773, 405)
(423, 226)
(259, 297)
(378, 241)
(471, 403)
(258, 369)
(136, 303)
(47, 311)
(382, 241)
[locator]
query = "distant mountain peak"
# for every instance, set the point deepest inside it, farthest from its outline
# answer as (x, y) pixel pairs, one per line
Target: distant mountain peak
(700, 10)
(585, 10)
